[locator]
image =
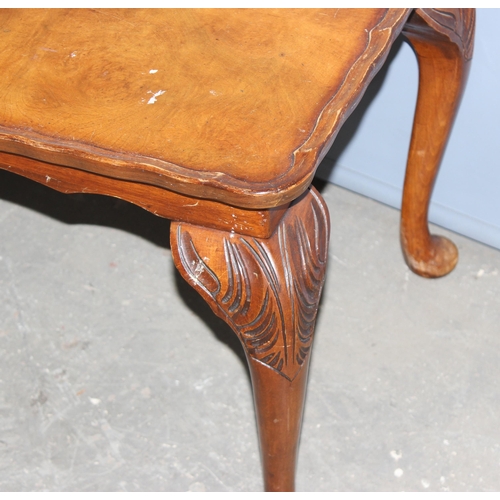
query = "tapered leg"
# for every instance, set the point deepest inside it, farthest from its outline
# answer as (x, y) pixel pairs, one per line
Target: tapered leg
(268, 291)
(443, 42)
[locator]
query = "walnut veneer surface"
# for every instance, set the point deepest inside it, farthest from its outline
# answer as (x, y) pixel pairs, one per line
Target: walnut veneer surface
(222, 104)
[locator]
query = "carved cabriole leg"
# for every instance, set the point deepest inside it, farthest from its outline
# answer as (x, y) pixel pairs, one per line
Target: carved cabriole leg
(443, 42)
(268, 291)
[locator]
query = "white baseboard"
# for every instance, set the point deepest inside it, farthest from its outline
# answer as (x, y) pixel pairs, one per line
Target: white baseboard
(439, 214)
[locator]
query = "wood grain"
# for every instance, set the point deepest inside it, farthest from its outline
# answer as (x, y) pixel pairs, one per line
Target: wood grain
(443, 41)
(268, 291)
(235, 105)
(160, 201)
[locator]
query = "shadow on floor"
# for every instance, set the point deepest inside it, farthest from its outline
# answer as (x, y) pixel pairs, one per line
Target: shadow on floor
(111, 212)
(91, 209)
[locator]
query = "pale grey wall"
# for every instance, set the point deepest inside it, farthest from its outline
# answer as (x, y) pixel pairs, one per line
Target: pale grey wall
(369, 155)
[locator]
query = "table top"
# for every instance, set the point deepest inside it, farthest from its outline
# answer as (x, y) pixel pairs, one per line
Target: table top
(235, 105)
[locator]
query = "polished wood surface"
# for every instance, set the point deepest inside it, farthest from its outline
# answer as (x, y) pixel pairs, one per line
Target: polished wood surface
(443, 40)
(212, 103)
(217, 119)
(160, 201)
(268, 292)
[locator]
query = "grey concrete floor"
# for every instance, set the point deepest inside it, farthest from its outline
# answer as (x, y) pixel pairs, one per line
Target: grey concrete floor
(115, 375)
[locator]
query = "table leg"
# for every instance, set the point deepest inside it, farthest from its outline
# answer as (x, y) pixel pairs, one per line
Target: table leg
(443, 42)
(268, 291)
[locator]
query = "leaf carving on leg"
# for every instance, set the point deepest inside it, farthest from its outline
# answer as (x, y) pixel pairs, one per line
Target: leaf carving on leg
(266, 290)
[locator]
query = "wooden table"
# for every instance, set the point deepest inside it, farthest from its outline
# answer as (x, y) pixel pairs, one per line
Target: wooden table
(217, 119)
